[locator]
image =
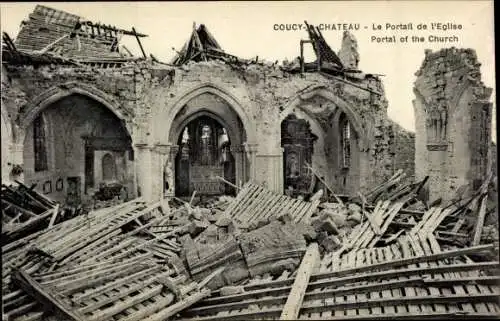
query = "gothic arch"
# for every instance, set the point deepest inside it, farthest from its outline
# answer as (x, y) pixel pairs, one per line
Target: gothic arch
(322, 91)
(56, 93)
(167, 115)
(176, 131)
(315, 126)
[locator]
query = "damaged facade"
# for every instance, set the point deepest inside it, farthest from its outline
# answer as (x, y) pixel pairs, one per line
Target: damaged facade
(218, 188)
(140, 117)
(453, 116)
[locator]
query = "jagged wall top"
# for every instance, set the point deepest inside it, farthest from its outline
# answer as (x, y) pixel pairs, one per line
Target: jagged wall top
(443, 73)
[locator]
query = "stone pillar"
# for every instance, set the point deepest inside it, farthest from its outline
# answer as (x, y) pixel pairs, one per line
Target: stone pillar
(271, 169)
(17, 158)
(162, 152)
(452, 119)
(238, 153)
(251, 152)
(144, 165)
(174, 149)
(364, 171)
(166, 168)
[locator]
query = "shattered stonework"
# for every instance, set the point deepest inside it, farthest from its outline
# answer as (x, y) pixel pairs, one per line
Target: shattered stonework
(453, 121)
(147, 97)
(348, 53)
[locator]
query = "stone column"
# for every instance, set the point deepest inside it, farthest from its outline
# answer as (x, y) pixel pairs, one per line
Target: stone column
(166, 168)
(172, 155)
(143, 171)
(17, 158)
(270, 168)
(251, 152)
(162, 153)
(238, 153)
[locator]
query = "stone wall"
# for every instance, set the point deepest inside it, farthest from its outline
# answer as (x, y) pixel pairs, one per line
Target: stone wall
(149, 98)
(453, 119)
(404, 151)
(67, 121)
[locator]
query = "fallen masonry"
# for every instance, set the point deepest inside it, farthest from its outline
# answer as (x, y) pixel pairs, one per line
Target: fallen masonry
(259, 255)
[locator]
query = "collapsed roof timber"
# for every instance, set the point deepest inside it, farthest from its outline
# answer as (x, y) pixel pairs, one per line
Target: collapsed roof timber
(219, 188)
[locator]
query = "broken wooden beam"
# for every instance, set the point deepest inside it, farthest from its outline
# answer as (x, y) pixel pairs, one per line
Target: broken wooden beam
(296, 296)
(480, 221)
(49, 300)
(139, 42)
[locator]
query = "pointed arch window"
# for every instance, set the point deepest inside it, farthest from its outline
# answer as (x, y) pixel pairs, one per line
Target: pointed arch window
(40, 144)
(345, 139)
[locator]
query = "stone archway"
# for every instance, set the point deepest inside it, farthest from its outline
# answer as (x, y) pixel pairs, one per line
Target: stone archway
(79, 126)
(204, 157)
(207, 100)
(168, 115)
(56, 93)
(329, 103)
(324, 108)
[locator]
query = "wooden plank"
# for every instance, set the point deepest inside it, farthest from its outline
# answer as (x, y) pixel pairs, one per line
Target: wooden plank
(254, 191)
(424, 219)
(320, 278)
(35, 290)
(372, 294)
(245, 190)
(409, 291)
(386, 254)
(360, 260)
(256, 204)
(286, 206)
(308, 212)
(428, 250)
(73, 286)
(143, 296)
(269, 314)
(373, 224)
(480, 221)
(160, 302)
(300, 210)
(392, 212)
(122, 281)
(417, 247)
(270, 201)
(173, 309)
(350, 263)
(408, 252)
(298, 290)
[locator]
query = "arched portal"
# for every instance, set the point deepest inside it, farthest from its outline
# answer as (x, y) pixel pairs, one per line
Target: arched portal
(204, 158)
(210, 137)
(297, 141)
(69, 143)
(345, 155)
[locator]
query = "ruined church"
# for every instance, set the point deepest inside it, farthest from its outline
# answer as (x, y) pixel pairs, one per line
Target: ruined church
(79, 112)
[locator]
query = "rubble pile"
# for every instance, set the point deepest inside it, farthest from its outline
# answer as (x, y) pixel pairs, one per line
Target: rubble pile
(245, 256)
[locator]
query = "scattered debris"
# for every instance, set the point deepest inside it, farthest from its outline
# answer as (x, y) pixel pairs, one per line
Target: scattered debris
(233, 258)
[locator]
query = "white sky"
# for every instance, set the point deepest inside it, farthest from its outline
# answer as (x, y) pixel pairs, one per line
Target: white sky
(246, 30)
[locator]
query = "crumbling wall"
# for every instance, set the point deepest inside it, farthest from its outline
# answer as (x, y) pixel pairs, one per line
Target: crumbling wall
(67, 121)
(148, 97)
(453, 121)
(403, 150)
(265, 95)
(348, 52)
